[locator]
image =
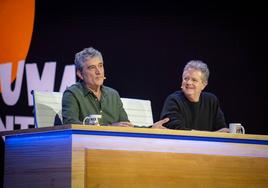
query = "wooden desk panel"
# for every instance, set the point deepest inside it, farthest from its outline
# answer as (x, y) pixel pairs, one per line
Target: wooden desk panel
(141, 144)
(115, 168)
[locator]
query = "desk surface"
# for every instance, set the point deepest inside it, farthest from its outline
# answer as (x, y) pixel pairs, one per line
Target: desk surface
(145, 132)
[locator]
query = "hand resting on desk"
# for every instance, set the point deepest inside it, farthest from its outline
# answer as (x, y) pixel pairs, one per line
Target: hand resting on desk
(159, 124)
(122, 124)
(225, 130)
(156, 125)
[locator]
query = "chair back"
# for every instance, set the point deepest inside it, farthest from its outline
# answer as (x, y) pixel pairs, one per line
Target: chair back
(139, 111)
(47, 108)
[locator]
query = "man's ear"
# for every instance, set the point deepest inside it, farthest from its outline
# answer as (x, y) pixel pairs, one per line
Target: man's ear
(205, 83)
(79, 74)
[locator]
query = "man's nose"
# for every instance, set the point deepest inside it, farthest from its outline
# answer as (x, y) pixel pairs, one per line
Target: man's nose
(189, 81)
(98, 70)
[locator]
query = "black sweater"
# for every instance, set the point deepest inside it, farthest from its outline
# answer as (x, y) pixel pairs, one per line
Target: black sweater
(203, 115)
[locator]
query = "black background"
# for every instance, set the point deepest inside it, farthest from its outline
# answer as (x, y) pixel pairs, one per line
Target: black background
(145, 46)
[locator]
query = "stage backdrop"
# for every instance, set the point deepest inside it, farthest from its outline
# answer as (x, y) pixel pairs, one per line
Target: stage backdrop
(144, 46)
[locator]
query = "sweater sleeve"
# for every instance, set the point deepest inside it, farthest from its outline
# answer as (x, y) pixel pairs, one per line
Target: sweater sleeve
(219, 120)
(173, 111)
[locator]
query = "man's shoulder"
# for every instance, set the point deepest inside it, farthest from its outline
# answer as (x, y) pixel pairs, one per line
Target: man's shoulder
(108, 91)
(209, 95)
(176, 94)
(74, 90)
(75, 87)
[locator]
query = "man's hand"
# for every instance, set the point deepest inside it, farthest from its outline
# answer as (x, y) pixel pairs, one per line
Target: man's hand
(159, 124)
(225, 130)
(122, 124)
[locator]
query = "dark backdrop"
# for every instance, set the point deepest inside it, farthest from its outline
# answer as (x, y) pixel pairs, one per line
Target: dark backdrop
(145, 46)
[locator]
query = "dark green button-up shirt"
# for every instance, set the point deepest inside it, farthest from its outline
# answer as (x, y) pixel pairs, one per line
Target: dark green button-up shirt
(78, 102)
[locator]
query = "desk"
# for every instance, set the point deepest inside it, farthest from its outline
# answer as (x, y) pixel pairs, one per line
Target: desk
(93, 156)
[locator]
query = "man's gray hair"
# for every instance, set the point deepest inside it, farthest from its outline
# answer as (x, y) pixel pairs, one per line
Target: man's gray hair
(85, 55)
(198, 65)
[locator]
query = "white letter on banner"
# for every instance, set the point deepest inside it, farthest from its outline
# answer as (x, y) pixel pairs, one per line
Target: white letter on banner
(24, 121)
(9, 124)
(46, 83)
(68, 77)
(11, 97)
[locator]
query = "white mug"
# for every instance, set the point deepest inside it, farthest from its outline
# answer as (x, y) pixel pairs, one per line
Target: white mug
(93, 119)
(236, 128)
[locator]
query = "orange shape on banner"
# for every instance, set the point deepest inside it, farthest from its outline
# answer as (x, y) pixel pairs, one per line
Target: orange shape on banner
(16, 20)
